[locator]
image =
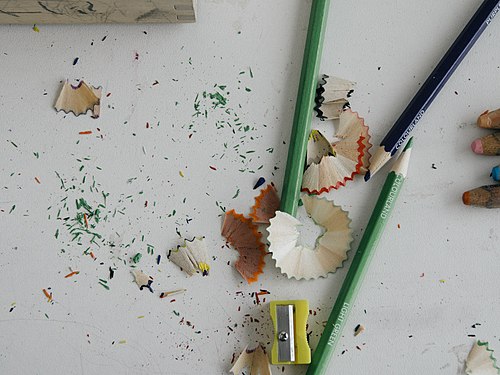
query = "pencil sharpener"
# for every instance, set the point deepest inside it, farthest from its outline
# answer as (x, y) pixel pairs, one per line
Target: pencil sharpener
(290, 345)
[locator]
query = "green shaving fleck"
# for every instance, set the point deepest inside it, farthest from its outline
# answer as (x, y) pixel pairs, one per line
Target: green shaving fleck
(237, 193)
(137, 258)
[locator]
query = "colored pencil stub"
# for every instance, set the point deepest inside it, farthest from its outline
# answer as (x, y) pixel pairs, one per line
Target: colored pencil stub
(488, 145)
(495, 173)
(484, 196)
(489, 120)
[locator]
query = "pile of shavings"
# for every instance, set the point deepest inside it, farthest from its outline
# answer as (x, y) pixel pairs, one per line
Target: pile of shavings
(331, 164)
(243, 233)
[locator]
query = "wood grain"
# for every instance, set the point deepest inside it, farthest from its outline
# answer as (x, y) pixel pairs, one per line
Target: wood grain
(96, 11)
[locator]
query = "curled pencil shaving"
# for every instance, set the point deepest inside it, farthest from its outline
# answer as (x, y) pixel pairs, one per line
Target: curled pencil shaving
(352, 129)
(142, 280)
(244, 236)
(254, 360)
(79, 99)
(331, 166)
(266, 205)
(191, 257)
(480, 360)
(331, 97)
(299, 261)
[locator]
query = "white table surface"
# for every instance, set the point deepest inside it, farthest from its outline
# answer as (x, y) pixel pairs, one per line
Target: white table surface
(430, 281)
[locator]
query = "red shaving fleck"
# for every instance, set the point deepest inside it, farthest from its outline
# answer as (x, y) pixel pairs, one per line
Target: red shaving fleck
(261, 293)
(399, 226)
(422, 275)
(147, 125)
(37, 180)
(86, 221)
(92, 255)
(85, 132)
(108, 95)
(233, 358)
(213, 168)
(71, 274)
(155, 83)
(190, 135)
(146, 204)
(136, 56)
(173, 300)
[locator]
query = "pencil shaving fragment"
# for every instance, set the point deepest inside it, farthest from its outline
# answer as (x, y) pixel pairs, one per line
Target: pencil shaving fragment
(331, 166)
(355, 138)
(359, 330)
(254, 360)
(191, 257)
(79, 99)
(244, 236)
(172, 293)
(318, 147)
(480, 360)
(332, 97)
(142, 280)
(266, 205)
(302, 262)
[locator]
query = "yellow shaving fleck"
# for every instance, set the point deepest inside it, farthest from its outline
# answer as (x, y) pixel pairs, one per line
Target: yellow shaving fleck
(203, 267)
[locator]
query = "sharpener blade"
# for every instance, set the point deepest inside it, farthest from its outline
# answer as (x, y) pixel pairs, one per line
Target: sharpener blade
(286, 339)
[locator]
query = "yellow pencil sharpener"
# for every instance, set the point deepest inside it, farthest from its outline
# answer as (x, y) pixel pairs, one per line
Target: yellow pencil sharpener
(290, 345)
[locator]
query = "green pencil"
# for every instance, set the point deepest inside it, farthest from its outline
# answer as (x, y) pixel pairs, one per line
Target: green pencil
(304, 107)
(366, 249)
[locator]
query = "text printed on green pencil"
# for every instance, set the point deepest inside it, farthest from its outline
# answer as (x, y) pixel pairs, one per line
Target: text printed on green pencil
(337, 327)
(392, 195)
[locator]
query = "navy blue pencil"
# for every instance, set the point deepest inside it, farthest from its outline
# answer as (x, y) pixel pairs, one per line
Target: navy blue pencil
(431, 87)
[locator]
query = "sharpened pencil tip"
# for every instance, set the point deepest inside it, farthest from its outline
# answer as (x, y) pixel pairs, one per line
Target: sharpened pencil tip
(367, 175)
